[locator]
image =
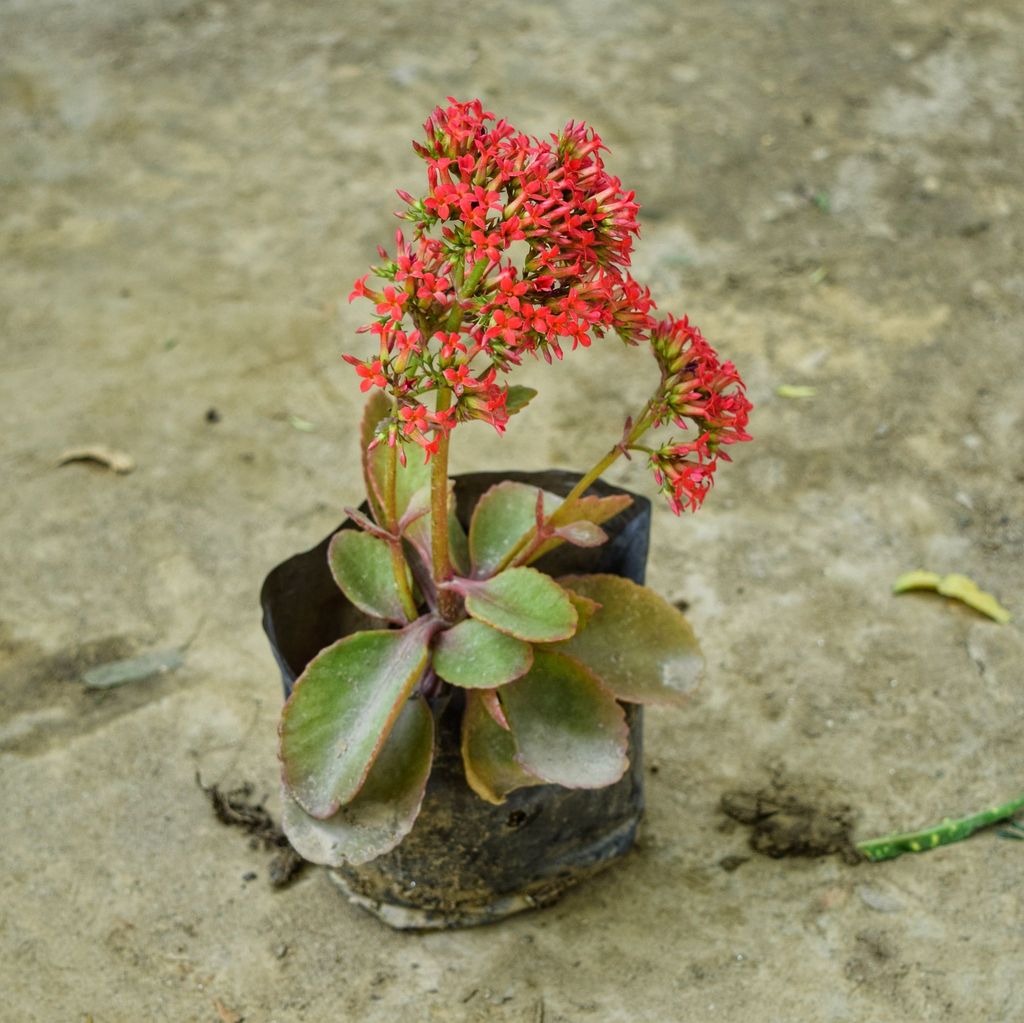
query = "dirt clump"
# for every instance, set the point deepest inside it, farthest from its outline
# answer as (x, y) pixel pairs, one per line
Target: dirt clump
(785, 822)
(236, 808)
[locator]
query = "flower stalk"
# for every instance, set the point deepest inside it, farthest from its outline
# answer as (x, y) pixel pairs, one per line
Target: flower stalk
(447, 601)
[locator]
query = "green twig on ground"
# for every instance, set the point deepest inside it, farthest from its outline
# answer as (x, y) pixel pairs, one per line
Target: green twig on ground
(891, 846)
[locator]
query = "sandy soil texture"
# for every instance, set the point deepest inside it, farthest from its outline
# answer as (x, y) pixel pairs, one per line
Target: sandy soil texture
(834, 192)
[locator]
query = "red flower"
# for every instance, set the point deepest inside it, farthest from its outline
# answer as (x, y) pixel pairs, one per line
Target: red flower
(372, 372)
(392, 303)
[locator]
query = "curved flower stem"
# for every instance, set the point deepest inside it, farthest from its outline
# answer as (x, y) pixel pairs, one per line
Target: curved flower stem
(398, 565)
(640, 427)
(447, 600)
(891, 846)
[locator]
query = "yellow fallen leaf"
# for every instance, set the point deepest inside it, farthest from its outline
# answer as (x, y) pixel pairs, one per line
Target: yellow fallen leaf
(957, 586)
(795, 391)
(117, 461)
(967, 590)
(917, 581)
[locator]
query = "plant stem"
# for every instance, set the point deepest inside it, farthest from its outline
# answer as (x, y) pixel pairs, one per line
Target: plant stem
(398, 565)
(447, 601)
(640, 427)
(559, 515)
(891, 846)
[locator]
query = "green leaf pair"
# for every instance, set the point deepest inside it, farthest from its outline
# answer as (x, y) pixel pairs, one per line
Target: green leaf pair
(510, 514)
(561, 720)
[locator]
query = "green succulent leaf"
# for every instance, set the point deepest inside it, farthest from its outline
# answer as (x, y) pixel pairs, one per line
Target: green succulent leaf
(408, 478)
(582, 534)
(523, 602)
(585, 607)
(489, 754)
(342, 709)
(592, 509)
(568, 728)
(475, 656)
(362, 568)
(385, 808)
(502, 517)
(639, 646)
(458, 542)
(518, 398)
(377, 408)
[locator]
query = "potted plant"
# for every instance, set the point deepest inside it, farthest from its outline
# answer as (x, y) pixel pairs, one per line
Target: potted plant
(465, 660)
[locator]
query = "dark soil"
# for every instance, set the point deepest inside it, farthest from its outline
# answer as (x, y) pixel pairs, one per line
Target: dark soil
(783, 824)
(237, 809)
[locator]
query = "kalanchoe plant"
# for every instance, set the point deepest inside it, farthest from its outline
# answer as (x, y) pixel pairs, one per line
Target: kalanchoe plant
(520, 247)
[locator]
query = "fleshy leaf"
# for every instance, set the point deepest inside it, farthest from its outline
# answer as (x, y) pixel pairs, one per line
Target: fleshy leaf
(494, 708)
(582, 534)
(342, 709)
(365, 523)
(362, 568)
(957, 586)
(458, 542)
(377, 408)
(639, 646)
(475, 656)
(919, 580)
(488, 754)
(408, 478)
(589, 509)
(385, 808)
(518, 398)
(568, 728)
(585, 607)
(523, 602)
(502, 517)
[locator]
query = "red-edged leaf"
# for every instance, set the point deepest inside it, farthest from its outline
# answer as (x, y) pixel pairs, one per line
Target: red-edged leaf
(637, 644)
(475, 656)
(408, 478)
(589, 509)
(488, 754)
(377, 408)
(523, 602)
(367, 524)
(501, 518)
(585, 607)
(568, 728)
(362, 567)
(385, 808)
(342, 709)
(493, 705)
(582, 534)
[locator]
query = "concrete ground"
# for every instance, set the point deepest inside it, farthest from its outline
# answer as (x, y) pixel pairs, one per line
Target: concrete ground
(834, 192)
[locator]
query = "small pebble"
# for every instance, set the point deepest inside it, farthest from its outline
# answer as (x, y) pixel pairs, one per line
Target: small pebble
(281, 951)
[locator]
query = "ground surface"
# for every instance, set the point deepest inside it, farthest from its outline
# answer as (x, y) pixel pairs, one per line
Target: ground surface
(833, 191)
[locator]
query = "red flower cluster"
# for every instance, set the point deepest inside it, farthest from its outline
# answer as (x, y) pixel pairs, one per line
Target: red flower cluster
(520, 246)
(695, 388)
(458, 293)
